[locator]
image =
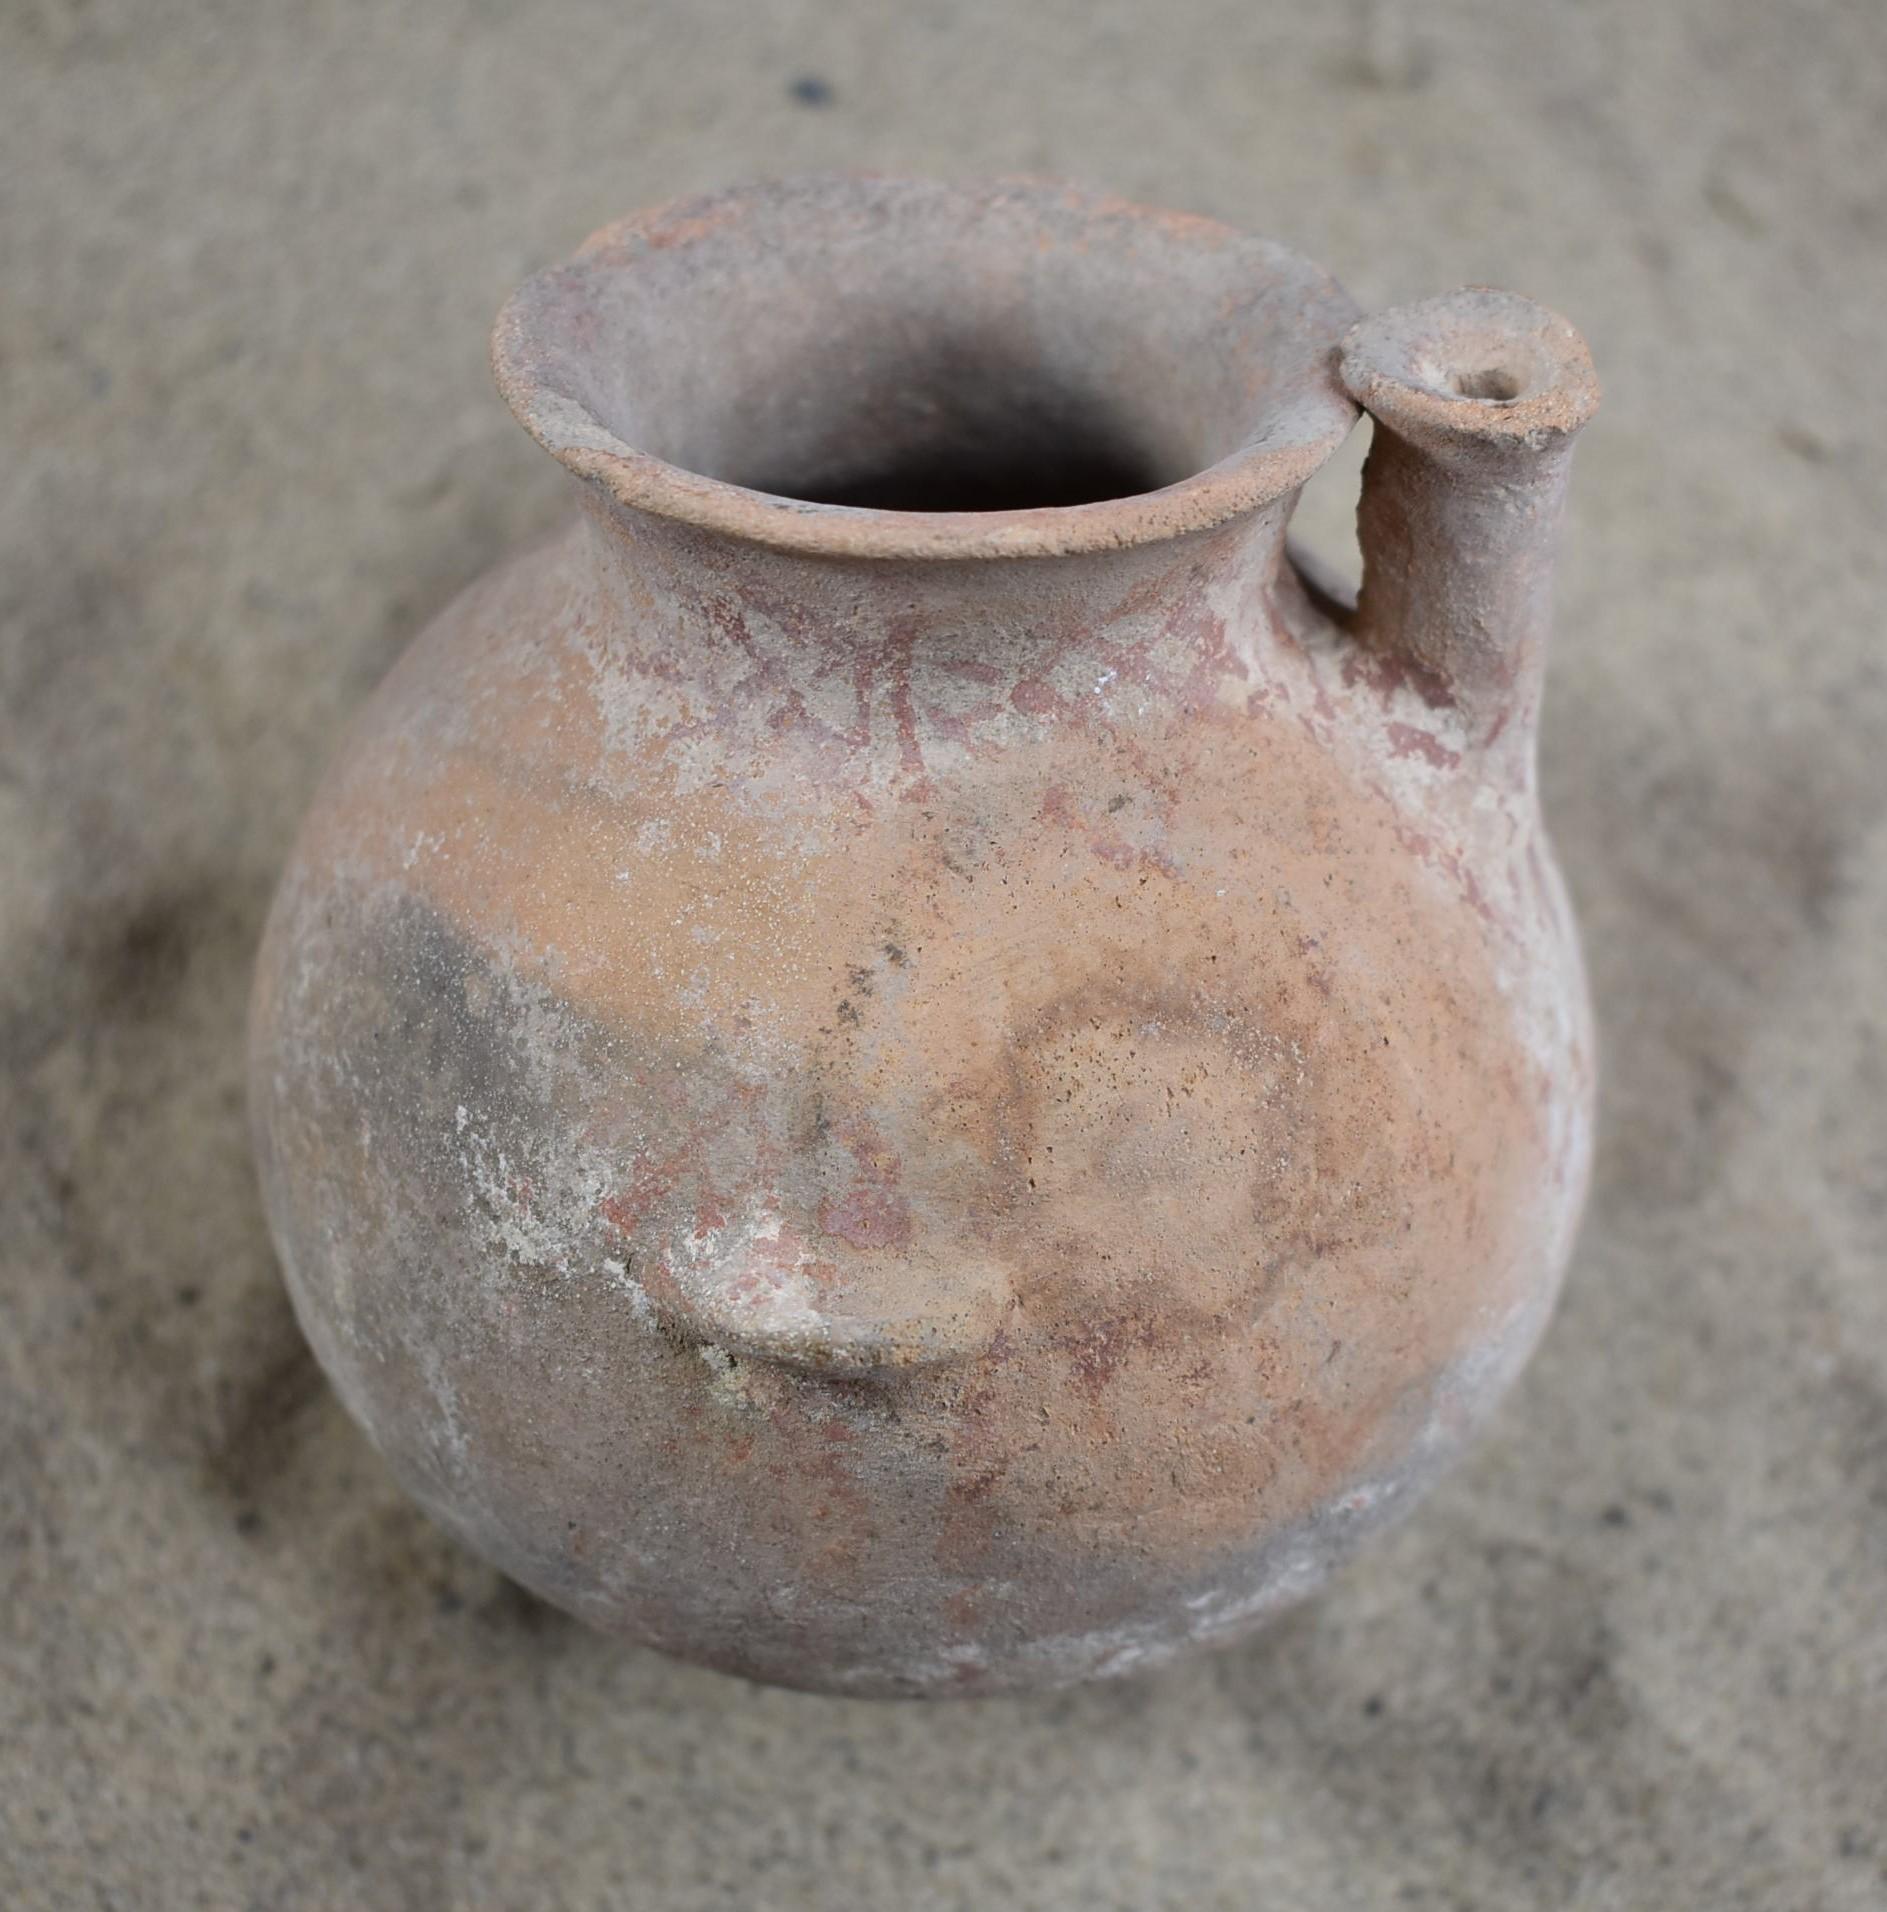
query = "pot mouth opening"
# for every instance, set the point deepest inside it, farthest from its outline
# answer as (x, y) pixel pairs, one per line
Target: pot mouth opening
(866, 367)
(1046, 450)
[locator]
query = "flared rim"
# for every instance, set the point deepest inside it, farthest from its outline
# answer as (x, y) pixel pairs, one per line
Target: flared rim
(537, 339)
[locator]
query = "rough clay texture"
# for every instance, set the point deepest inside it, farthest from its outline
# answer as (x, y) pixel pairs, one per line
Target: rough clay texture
(915, 1125)
(1631, 1654)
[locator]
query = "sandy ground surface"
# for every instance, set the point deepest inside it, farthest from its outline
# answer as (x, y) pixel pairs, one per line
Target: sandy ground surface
(1634, 1656)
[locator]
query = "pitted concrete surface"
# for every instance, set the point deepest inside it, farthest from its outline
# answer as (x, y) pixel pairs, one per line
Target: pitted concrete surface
(1634, 1654)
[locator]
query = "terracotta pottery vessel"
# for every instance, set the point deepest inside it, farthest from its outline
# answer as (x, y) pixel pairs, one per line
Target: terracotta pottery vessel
(906, 1064)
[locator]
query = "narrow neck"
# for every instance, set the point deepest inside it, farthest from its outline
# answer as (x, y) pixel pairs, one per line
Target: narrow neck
(990, 638)
(1458, 561)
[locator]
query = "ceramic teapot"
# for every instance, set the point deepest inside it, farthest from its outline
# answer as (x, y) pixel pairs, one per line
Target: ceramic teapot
(907, 1062)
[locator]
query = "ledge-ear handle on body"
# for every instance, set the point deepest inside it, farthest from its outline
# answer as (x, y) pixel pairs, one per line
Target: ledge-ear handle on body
(1477, 397)
(874, 1314)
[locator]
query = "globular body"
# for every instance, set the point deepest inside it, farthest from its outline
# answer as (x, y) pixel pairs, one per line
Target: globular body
(910, 1099)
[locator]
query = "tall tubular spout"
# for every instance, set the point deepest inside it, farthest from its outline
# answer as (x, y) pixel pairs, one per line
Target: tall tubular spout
(1477, 398)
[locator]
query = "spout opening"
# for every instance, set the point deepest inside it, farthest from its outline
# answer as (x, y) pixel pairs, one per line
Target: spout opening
(901, 368)
(1494, 385)
(1473, 366)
